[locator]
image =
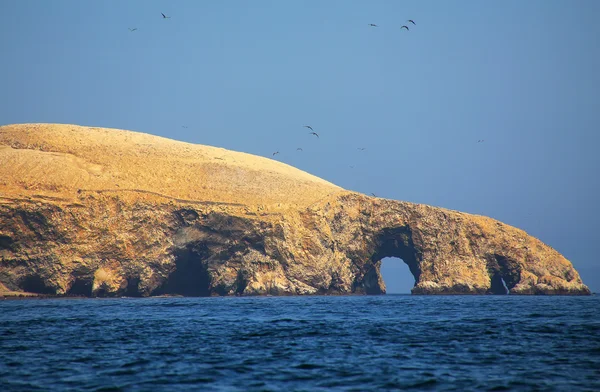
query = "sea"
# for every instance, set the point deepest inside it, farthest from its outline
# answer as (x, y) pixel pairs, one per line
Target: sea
(308, 343)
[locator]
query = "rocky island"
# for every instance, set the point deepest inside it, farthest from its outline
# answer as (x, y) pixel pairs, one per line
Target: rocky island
(104, 212)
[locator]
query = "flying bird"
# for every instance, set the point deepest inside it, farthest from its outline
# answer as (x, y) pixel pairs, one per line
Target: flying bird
(275, 153)
(362, 148)
(184, 126)
(309, 127)
(314, 133)
(373, 194)
(132, 30)
(372, 25)
(404, 27)
(480, 141)
(165, 16)
(299, 149)
(411, 21)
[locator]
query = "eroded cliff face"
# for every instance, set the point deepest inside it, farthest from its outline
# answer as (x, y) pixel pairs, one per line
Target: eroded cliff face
(67, 237)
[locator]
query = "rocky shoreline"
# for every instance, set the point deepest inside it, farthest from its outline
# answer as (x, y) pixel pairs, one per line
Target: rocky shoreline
(158, 231)
(194, 252)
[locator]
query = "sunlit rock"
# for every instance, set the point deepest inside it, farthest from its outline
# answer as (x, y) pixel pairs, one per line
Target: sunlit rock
(103, 212)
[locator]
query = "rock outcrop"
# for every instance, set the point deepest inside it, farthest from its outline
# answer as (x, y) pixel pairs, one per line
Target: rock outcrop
(100, 212)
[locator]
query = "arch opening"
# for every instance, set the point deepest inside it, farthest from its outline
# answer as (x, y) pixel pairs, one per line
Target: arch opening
(396, 275)
(396, 242)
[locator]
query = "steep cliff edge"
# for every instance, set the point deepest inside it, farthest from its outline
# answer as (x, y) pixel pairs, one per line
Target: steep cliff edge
(99, 212)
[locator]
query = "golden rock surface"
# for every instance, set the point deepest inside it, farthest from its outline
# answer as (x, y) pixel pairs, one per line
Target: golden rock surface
(105, 212)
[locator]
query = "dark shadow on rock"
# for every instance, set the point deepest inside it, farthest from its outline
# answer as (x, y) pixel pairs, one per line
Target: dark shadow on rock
(81, 287)
(35, 284)
(190, 277)
(7, 243)
(241, 282)
(504, 272)
(132, 289)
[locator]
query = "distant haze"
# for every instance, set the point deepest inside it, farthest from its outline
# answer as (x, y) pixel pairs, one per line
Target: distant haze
(522, 76)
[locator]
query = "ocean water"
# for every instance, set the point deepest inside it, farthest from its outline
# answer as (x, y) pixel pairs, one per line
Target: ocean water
(360, 343)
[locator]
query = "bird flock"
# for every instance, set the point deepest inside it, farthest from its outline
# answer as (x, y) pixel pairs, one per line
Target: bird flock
(312, 132)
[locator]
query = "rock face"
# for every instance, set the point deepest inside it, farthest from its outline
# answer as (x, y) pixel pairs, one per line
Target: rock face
(99, 212)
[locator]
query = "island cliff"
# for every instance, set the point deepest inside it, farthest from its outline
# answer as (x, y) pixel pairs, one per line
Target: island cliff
(104, 212)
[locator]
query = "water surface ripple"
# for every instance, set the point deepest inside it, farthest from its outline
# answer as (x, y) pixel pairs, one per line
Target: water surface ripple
(392, 342)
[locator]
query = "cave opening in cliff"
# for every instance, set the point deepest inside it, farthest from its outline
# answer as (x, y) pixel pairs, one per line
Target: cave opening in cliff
(35, 284)
(81, 287)
(504, 274)
(498, 285)
(190, 277)
(133, 287)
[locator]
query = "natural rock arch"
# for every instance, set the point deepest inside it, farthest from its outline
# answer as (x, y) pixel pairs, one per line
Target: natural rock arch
(390, 242)
(101, 212)
(397, 242)
(300, 253)
(396, 276)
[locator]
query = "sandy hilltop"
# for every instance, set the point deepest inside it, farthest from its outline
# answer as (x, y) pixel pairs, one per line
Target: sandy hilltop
(66, 160)
(105, 212)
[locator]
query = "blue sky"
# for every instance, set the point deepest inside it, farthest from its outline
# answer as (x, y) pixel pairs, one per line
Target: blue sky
(247, 75)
